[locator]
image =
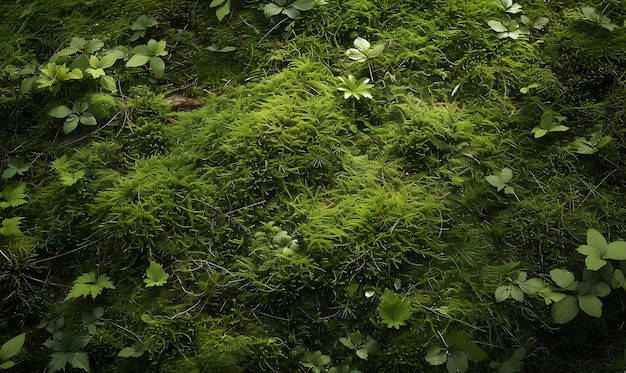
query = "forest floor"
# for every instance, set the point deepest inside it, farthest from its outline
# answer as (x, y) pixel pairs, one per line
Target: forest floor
(313, 186)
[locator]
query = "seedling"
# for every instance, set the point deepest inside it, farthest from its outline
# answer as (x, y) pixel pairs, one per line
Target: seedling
(457, 349)
(586, 298)
(363, 346)
(598, 251)
(151, 52)
(599, 19)
(15, 167)
(53, 75)
(518, 287)
(527, 89)
(96, 70)
(78, 114)
(506, 28)
(550, 122)
(141, 24)
(89, 284)
(533, 24)
(79, 45)
(316, 362)
(393, 310)
(290, 8)
(502, 181)
(364, 52)
(155, 275)
(351, 87)
(91, 320)
(68, 349)
(592, 142)
(508, 6)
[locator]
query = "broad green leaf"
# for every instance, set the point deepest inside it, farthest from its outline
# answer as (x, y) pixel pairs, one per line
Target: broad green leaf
(562, 277)
(107, 61)
(136, 350)
(356, 55)
(616, 250)
(71, 123)
(88, 284)
(539, 132)
(142, 49)
(495, 181)
(361, 44)
(619, 280)
(79, 360)
(58, 361)
(472, 351)
(69, 178)
(497, 26)
(594, 263)
(517, 293)
(532, 286)
(156, 275)
(375, 51)
(11, 227)
(215, 3)
(506, 174)
(596, 239)
(303, 5)
(393, 310)
(600, 289)
(143, 22)
(11, 347)
(158, 66)
(93, 46)
(271, 10)
(75, 74)
(457, 362)
(7, 364)
(565, 310)
(157, 48)
(291, 12)
(347, 342)
(94, 62)
(108, 83)
(223, 10)
(96, 73)
(590, 305)
(503, 292)
(88, 119)
(436, 356)
(137, 60)
(362, 353)
(60, 111)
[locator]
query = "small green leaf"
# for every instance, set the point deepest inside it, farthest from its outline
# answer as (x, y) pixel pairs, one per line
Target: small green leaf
(436, 356)
(60, 111)
(11, 347)
(88, 119)
(11, 227)
(71, 123)
(616, 250)
(502, 293)
(14, 195)
(457, 362)
(517, 293)
(108, 83)
(532, 286)
(562, 277)
(156, 275)
(565, 310)
(157, 66)
(590, 305)
(596, 239)
(137, 60)
(223, 10)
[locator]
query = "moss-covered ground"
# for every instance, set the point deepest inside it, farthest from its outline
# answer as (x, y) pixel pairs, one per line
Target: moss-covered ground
(238, 214)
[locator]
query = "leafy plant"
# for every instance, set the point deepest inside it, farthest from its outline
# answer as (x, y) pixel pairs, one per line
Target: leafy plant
(393, 310)
(11, 226)
(155, 275)
(13, 195)
(363, 51)
(363, 346)
(96, 70)
(79, 113)
(89, 284)
(79, 46)
(226, 49)
(290, 8)
(150, 52)
(457, 349)
(136, 350)
(14, 167)
(222, 8)
(502, 181)
(599, 19)
(592, 142)
(9, 349)
(527, 89)
(315, 361)
(550, 122)
(519, 287)
(53, 75)
(586, 298)
(62, 167)
(68, 350)
(141, 24)
(351, 87)
(598, 251)
(91, 320)
(506, 28)
(508, 6)
(533, 24)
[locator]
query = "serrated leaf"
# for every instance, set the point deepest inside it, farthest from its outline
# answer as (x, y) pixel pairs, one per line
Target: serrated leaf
(88, 284)
(393, 310)
(14, 195)
(11, 227)
(156, 275)
(565, 310)
(69, 178)
(11, 347)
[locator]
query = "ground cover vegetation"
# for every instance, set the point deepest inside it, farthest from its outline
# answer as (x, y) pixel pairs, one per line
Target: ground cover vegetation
(312, 186)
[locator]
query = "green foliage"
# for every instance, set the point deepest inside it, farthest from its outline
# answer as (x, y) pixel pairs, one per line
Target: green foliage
(222, 8)
(9, 349)
(457, 349)
(363, 51)
(351, 87)
(506, 28)
(141, 25)
(393, 310)
(89, 284)
(363, 346)
(155, 275)
(508, 6)
(96, 70)
(315, 361)
(586, 297)
(592, 142)
(14, 167)
(597, 250)
(14, 195)
(513, 364)
(519, 287)
(103, 106)
(53, 75)
(136, 350)
(502, 181)
(78, 114)
(67, 350)
(290, 8)
(599, 19)
(91, 320)
(152, 53)
(550, 122)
